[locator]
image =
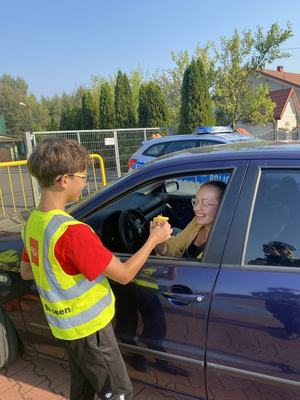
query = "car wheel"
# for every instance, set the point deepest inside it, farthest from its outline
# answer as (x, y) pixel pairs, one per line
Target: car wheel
(9, 341)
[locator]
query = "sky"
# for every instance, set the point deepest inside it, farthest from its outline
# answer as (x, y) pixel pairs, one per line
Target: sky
(57, 45)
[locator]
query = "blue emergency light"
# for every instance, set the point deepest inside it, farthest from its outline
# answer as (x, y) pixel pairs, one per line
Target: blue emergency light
(201, 130)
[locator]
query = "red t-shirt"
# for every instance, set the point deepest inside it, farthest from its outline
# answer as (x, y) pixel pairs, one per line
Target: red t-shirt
(80, 250)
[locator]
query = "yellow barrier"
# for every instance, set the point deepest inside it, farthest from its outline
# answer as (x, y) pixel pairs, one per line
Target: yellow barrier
(12, 203)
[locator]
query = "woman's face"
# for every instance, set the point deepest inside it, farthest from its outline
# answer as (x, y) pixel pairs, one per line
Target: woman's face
(206, 204)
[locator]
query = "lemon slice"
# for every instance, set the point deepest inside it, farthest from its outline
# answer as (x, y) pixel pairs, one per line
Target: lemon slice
(160, 218)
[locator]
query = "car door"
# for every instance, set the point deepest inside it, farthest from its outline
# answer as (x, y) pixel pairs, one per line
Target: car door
(40, 335)
(161, 316)
(253, 342)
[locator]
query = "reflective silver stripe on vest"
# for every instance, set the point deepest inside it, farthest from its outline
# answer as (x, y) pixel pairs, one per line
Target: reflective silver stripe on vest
(83, 317)
(57, 293)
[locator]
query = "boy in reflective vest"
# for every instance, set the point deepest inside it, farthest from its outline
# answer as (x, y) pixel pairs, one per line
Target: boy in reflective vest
(70, 264)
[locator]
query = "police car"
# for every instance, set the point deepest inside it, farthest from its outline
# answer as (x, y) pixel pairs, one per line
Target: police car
(203, 136)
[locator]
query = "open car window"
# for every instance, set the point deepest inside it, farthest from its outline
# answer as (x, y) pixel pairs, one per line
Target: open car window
(123, 225)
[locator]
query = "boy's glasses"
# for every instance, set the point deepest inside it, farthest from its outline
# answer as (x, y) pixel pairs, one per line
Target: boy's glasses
(84, 177)
(202, 204)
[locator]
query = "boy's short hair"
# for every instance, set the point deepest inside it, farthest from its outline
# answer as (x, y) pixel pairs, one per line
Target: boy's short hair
(57, 156)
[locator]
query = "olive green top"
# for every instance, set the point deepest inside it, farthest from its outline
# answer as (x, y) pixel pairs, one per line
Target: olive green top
(177, 245)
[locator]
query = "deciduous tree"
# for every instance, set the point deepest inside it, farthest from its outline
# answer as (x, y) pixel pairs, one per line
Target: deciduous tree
(240, 57)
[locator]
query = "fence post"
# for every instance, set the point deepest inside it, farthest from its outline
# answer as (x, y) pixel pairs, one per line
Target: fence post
(117, 154)
(28, 143)
(145, 134)
(28, 137)
(78, 138)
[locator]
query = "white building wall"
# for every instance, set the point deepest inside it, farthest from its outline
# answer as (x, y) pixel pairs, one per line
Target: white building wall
(274, 84)
(289, 117)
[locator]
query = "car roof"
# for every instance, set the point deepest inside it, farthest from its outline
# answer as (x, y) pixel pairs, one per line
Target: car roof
(241, 150)
(216, 136)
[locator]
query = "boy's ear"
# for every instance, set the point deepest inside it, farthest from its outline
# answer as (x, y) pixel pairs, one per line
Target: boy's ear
(62, 182)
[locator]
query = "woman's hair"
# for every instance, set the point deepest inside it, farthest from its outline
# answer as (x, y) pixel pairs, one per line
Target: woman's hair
(221, 186)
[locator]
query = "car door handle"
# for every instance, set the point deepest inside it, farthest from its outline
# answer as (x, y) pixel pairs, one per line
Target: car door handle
(183, 296)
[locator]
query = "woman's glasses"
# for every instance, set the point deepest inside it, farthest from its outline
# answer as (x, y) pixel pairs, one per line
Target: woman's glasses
(203, 204)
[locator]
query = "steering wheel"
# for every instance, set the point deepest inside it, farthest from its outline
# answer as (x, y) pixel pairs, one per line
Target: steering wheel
(133, 229)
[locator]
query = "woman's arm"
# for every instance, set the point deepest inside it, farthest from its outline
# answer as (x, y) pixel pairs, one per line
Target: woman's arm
(175, 246)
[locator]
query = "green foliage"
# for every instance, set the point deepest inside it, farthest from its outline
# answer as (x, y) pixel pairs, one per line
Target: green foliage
(124, 107)
(240, 57)
(196, 107)
(70, 118)
(136, 78)
(2, 125)
(88, 117)
(12, 92)
(258, 106)
(171, 80)
(142, 109)
(106, 107)
(230, 69)
(153, 109)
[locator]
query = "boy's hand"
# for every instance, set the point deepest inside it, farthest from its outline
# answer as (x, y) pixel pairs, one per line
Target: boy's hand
(160, 231)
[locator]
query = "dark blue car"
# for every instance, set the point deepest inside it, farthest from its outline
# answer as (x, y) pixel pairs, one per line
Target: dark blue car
(226, 327)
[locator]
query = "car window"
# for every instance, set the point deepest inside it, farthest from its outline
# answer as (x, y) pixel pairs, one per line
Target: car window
(180, 145)
(123, 225)
(210, 142)
(155, 151)
(274, 230)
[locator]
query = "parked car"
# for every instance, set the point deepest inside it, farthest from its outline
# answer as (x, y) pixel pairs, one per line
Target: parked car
(225, 327)
(204, 136)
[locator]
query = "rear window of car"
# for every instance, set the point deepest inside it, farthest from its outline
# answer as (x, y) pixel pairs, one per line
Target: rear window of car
(180, 145)
(210, 142)
(155, 151)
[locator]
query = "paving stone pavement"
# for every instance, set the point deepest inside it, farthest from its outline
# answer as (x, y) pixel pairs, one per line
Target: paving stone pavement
(35, 378)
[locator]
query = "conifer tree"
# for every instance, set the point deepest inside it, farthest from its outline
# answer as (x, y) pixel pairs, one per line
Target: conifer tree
(143, 109)
(196, 106)
(153, 109)
(124, 107)
(70, 118)
(88, 118)
(183, 125)
(106, 107)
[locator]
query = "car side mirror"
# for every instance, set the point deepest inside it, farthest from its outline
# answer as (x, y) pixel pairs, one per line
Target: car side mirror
(171, 186)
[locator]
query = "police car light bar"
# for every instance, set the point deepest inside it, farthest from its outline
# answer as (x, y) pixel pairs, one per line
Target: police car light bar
(212, 129)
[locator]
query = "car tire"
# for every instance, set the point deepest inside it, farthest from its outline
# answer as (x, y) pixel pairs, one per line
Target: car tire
(9, 341)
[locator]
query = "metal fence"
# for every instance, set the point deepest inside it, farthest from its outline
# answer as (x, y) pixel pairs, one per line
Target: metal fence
(115, 145)
(18, 190)
(280, 135)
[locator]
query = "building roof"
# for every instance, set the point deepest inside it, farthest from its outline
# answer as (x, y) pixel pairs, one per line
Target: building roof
(281, 98)
(281, 75)
(244, 131)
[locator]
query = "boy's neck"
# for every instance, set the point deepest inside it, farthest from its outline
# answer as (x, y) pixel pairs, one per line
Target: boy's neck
(51, 201)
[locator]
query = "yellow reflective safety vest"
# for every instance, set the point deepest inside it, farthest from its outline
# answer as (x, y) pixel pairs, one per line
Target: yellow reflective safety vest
(74, 306)
(145, 278)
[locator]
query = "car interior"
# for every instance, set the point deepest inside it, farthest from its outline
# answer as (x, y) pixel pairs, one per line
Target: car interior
(123, 226)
